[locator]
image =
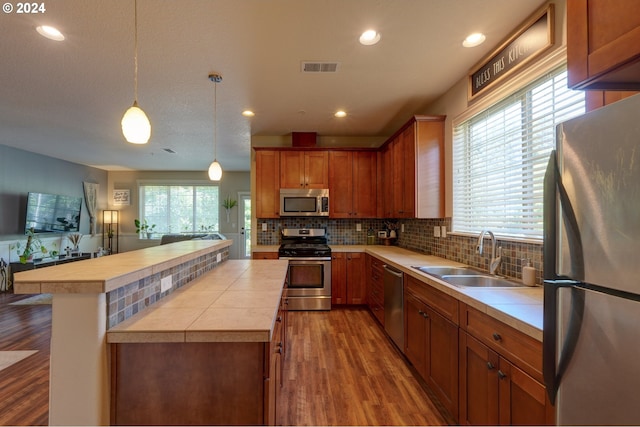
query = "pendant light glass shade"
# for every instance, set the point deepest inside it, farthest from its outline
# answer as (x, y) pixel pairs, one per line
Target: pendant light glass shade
(215, 171)
(135, 125)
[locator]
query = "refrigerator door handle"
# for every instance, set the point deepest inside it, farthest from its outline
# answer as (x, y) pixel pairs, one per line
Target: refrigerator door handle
(554, 179)
(552, 373)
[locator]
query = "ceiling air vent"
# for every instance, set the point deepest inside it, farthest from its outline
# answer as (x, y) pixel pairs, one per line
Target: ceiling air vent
(319, 67)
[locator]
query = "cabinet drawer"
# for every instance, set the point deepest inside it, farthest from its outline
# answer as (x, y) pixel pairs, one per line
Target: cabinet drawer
(521, 349)
(444, 304)
(378, 311)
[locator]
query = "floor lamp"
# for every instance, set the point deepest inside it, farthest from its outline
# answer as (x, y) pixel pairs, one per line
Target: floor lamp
(110, 231)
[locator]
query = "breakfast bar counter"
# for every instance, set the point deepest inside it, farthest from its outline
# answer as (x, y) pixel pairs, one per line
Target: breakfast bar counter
(115, 293)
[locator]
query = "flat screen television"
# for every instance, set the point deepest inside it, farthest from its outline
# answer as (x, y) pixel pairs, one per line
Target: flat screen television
(51, 213)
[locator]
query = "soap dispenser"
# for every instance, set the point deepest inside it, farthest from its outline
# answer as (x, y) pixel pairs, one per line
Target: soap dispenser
(528, 273)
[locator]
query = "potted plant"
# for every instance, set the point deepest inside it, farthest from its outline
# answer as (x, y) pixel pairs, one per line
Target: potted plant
(229, 204)
(143, 228)
(31, 247)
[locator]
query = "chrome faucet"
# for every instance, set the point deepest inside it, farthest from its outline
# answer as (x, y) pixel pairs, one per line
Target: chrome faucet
(495, 260)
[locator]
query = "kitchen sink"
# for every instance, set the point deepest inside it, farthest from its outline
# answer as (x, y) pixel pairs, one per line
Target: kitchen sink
(480, 281)
(468, 277)
(448, 271)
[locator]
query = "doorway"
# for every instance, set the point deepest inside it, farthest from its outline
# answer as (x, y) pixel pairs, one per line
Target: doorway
(244, 221)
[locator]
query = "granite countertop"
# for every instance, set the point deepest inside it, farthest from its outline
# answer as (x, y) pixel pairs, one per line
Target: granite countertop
(520, 308)
(104, 274)
(235, 302)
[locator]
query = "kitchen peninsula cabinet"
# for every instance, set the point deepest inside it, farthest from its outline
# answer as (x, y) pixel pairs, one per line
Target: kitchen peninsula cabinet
(352, 184)
(267, 184)
(304, 169)
(603, 44)
(415, 168)
(348, 285)
(500, 374)
(432, 340)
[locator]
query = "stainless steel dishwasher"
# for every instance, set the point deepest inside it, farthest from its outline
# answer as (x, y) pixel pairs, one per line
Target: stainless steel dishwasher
(393, 305)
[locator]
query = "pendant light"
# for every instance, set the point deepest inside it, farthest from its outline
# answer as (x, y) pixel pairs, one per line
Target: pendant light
(215, 170)
(135, 123)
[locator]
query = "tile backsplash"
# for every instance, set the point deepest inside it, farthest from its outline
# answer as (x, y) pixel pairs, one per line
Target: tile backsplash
(418, 236)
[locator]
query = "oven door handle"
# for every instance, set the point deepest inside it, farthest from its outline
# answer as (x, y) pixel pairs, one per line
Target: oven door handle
(306, 259)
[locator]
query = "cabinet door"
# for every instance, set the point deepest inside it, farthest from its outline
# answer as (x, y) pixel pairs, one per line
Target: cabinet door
(316, 169)
(291, 169)
(385, 196)
(479, 388)
(415, 333)
(364, 184)
(267, 184)
(356, 285)
(603, 44)
(340, 184)
(397, 183)
(409, 172)
(442, 361)
(338, 278)
(523, 400)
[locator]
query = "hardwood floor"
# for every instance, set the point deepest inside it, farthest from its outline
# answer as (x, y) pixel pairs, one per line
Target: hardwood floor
(341, 369)
(24, 386)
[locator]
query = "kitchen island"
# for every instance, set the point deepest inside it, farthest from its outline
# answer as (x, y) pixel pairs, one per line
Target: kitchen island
(93, 296)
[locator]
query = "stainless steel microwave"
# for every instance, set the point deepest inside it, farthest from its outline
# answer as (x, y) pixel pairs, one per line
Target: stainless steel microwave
(296, 202)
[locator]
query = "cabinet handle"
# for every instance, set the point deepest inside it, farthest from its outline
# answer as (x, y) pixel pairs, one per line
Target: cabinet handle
(423, 314)
(279, 319)
(501, 374)
(496, 336)
(490, 366)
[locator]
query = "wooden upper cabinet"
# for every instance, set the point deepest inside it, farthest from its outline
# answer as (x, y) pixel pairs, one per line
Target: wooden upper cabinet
(304, 169)
(352, 184)
(416, 169)
(267, 184)
(385, 192)
(603, 44)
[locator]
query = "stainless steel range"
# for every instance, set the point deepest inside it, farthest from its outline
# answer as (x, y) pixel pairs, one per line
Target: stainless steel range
(309, 278)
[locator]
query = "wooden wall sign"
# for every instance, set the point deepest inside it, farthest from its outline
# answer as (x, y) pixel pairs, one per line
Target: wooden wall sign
(532, 38)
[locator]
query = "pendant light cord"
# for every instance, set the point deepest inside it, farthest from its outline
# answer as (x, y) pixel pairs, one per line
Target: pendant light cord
(135, 55)
(215, 121)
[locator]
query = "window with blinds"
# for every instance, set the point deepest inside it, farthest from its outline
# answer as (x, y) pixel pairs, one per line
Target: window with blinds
(500, 157)
(180, 208)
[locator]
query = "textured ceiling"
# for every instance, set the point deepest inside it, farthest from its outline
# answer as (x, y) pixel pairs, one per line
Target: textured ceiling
(66, 99)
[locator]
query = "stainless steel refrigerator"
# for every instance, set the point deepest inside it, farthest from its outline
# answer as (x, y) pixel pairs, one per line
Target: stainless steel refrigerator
(591, 331)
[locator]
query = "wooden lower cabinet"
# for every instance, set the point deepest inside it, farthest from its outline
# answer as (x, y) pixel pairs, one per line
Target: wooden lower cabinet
(431, 344)
(494, 391)
(348, 284)
(264, 255)
(199, 383)
(375, 291)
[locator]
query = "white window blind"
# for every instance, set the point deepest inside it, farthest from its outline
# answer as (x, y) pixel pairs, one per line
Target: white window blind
(180, 208)
(500, 157)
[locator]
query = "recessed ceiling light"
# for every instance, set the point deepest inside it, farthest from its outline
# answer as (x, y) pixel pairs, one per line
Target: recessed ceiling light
(340, 113)
(473, 40)
(50, 33)
(370, 37)
(248, 113)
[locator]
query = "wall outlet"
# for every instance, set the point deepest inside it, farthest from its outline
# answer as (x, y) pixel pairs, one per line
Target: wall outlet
(166, 283)
(443, 231)
(436, 231)
(402, 228)
(358, 227)
(218, 257)
(264, 226)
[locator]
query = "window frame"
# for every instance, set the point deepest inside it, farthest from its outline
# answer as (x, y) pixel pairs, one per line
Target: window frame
(522, 94)
(178, 183)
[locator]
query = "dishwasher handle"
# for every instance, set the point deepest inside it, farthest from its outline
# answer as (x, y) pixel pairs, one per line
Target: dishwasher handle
(392, 270)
